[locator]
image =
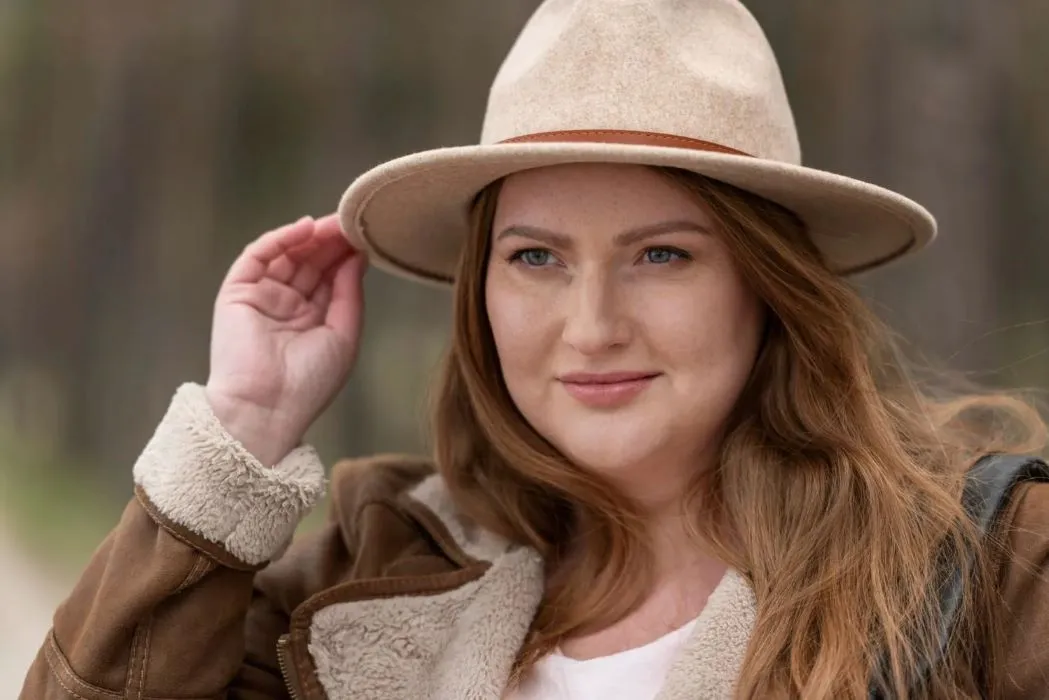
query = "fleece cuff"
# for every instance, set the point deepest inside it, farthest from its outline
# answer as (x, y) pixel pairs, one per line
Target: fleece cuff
(202, 478)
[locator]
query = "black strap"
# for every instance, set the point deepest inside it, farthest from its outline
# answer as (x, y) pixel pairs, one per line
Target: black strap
(989, 488)
(991, 482)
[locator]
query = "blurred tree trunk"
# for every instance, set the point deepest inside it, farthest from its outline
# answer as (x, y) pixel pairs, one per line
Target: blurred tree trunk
(939, 97)
(1023, 238)
(146, 287)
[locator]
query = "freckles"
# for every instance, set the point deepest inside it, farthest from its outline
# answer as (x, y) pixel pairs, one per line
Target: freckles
(700, 326)
(523, 324)
(519, 314)
(676, 325)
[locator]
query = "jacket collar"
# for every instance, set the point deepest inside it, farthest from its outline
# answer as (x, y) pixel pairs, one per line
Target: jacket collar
(460, 643)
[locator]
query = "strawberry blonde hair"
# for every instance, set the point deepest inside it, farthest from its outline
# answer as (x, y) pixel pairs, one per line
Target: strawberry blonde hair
(839, 482)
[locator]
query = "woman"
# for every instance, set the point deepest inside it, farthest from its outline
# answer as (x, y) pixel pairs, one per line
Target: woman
(674, 454)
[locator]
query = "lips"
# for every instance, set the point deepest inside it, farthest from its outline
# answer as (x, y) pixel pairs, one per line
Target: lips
(605, 377)
(606, 389)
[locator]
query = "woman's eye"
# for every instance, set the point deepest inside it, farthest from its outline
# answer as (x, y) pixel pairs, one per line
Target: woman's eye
(662, 256)
(533, 257)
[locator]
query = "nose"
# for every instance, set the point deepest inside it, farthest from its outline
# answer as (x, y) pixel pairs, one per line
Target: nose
(595, 320)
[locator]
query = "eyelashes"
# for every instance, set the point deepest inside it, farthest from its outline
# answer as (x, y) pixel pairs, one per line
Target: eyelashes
(535, 258)
(531, 257)
(666, 255)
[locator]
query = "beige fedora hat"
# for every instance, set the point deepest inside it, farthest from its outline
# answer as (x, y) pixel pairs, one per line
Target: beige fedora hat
(691, 84)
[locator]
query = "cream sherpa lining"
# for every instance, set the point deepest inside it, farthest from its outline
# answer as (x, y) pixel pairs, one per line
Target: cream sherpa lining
(709, 663)
(477, 542)
(456, 645)
(200, 477)
(461, 644)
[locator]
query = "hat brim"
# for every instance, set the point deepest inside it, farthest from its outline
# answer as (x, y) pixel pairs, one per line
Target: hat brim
(412, 214)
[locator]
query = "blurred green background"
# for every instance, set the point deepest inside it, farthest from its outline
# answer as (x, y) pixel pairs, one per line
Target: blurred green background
(144, 144)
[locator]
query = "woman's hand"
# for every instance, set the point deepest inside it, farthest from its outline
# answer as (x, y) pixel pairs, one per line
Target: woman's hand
(285, 334)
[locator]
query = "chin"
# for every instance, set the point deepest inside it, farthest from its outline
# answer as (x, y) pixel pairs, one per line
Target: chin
(614, 451)
(601, 460)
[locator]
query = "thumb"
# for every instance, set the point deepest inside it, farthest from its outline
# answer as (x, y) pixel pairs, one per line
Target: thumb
(347, 298)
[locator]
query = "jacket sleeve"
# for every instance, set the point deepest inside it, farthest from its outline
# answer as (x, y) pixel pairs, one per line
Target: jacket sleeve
(167, 607)
(1024, 588)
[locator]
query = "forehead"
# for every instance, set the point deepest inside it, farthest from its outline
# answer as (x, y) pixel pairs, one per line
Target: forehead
(564, 196)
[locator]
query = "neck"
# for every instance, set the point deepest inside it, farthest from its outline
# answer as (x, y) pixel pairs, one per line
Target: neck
(659, 483)
(677, 553)
(660, 488)
(684, 573)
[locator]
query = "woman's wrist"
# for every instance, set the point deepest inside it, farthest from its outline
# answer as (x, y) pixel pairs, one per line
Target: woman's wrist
(259, 430)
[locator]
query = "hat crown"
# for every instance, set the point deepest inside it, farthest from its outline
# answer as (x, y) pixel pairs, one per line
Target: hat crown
(701, 69)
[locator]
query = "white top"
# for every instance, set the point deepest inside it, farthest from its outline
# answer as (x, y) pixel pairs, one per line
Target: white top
(634, 674)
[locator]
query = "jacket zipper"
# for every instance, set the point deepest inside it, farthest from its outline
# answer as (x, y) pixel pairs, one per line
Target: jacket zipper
(286, 667)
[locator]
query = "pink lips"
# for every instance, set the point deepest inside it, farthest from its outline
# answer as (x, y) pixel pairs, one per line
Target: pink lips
(606, 390)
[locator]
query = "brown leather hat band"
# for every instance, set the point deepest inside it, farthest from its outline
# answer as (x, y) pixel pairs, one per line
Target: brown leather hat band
(621, 136)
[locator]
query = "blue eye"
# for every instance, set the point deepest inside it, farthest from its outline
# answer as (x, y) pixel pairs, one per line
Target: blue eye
(662, 256)
(533, 257)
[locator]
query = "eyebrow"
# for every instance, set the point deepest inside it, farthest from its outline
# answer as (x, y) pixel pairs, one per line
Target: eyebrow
(560, 240)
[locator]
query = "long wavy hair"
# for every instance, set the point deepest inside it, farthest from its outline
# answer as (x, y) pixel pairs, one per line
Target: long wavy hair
(838, 489)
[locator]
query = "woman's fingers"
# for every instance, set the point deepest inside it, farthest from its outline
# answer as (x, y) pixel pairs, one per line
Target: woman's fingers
(331, 247)
(299, 255)
(303, 266)
(329, 224)
(282, 269)
(268, 297)
(322, 297)
(254, 262)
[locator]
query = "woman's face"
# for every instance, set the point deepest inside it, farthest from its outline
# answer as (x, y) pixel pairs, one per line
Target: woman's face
(624, 330)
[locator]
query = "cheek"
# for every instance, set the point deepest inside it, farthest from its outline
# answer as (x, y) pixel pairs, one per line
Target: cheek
(710, 337)
(522, 327)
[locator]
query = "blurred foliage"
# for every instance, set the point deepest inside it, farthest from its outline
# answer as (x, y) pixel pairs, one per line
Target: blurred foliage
(50, 509)
(145, 145)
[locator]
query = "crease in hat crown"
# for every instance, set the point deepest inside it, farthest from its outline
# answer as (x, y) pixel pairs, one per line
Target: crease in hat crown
(703, 69)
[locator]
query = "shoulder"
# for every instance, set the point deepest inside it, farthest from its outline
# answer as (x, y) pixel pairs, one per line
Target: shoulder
(1024, 590)
(384, 478)
(1008, 497)
(377, 509)
(373, 497)
(1025, 531)
(374, 529)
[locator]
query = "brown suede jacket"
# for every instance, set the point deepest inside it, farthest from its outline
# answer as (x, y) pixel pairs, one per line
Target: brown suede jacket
(394, 598)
